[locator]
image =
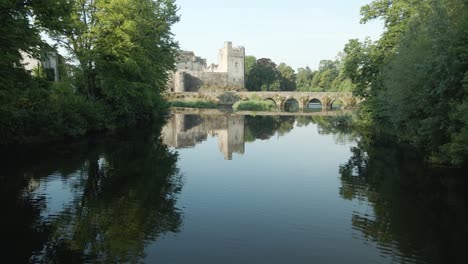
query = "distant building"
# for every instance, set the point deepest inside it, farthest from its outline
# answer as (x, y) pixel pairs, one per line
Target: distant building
(50, 61)
(193, 73)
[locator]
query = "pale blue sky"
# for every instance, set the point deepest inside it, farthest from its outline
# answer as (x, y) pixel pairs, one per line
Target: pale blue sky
(297, 32)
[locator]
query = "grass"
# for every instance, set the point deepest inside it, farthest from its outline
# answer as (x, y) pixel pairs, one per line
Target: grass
(254, 106)
(194, 104)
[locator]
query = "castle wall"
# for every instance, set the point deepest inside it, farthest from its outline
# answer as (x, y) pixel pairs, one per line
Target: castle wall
(193, 81)
(193, 72)
(187, 61)
(178, 82)
(191, 66)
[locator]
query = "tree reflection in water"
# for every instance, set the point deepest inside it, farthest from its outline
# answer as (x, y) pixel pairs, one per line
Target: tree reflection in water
(123, 197)
(418, 213)
(264, 127)
(124, 191)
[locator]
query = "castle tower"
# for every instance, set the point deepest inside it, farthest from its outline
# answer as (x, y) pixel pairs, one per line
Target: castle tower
(232, 60)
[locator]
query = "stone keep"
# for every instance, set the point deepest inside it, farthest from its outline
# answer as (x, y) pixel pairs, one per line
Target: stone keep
(193, 73)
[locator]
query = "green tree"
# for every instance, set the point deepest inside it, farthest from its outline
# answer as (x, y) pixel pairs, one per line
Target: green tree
(304, 78)
(124, 58)
(412, 77)
(124, 50)
(250, 62)
(364, 62)
(323, 79)
(288, 77)
(424, 80)
(264, 76)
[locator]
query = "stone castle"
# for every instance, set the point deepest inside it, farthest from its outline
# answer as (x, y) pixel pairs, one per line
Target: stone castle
(194, 74)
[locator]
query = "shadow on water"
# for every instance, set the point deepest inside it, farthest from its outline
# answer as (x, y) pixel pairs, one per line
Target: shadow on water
(115, 195)
(418, 214)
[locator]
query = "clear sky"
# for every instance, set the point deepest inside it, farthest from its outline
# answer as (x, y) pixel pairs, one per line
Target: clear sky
(297, 32)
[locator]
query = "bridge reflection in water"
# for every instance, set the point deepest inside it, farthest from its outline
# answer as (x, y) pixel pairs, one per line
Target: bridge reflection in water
(187, 128)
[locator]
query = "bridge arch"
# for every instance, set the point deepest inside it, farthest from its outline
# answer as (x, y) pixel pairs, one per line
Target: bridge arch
(269, 99)
(337, 103)
(291, 105)
(314, 103)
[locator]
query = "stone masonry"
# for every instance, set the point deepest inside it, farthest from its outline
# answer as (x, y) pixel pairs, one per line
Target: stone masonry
(193, 73)
(326, 99)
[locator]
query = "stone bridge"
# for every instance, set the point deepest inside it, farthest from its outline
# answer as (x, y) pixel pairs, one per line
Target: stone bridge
(326, 99)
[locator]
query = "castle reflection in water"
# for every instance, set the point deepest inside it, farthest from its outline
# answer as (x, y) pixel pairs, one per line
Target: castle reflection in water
(185, 131)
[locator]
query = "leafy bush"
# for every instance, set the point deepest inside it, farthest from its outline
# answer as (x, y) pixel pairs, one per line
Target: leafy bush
(34, 115)
(254, 106)
(194, 104)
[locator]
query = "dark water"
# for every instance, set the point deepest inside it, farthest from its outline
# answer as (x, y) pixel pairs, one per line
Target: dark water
(231, 189)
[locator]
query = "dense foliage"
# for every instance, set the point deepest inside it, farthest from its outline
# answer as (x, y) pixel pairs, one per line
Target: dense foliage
(266, 75)
(194, 104)
(254, 105)
(414, 78)
(262, 75)
(123, 51)
(329, 77)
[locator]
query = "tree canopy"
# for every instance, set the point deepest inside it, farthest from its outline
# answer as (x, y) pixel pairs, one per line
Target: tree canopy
(122, 52)
(414, 77)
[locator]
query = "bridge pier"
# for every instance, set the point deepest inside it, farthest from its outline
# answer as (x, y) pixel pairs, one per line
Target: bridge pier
(302, 104)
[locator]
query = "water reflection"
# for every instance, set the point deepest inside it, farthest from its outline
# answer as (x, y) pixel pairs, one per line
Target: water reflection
(418, 213)
(182, 131)
(91, 202)
(120, 199)
(314, 104)
(186, 130)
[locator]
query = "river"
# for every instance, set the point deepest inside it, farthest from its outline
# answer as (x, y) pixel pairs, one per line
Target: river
(216, 187)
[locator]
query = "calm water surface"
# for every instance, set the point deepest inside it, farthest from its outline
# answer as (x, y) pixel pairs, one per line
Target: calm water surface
(222, 188)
